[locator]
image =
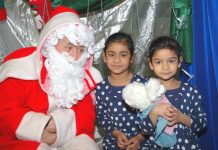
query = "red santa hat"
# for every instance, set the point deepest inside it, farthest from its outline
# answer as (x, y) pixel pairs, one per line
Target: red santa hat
(61, 9)
(66, 22)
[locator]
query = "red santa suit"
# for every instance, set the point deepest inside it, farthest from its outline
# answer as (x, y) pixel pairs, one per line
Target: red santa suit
(26, 105)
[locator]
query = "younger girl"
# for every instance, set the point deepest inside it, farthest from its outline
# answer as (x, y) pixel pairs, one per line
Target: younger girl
(186, 111)
(113, 114)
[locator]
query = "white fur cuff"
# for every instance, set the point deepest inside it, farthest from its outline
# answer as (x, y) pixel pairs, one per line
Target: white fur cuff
(65, 125)
(96, 75)
(32, 126)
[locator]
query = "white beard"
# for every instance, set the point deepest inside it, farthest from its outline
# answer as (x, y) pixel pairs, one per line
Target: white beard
(65, 77)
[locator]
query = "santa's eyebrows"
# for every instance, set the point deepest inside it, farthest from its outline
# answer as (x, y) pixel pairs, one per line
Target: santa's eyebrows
(71, 44)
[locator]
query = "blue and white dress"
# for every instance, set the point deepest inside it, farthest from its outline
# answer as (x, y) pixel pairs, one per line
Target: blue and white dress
(114, 113)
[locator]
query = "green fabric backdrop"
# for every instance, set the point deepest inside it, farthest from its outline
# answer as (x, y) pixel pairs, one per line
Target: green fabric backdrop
(181, 26)
(2, 4)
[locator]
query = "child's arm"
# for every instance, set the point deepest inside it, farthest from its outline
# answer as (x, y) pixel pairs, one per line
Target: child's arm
(103, 120)
(197, 114)
(196, 119)
(179, 117)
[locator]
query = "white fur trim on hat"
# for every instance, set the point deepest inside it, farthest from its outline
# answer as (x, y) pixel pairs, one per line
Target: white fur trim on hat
(66, 24)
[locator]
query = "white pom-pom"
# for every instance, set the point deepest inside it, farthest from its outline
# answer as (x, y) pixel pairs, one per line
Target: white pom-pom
(141, 96)
(154, 89)
(135, 96)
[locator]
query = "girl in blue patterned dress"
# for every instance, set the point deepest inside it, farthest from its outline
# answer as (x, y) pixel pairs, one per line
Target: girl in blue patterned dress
(185, 111)
(113, 114)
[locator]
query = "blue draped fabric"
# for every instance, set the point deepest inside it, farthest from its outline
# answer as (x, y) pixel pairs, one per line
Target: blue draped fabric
(205, 64)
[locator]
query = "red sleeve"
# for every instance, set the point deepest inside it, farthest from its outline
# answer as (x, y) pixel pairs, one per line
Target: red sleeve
(85, 116)
(16, 99)
(11, 113)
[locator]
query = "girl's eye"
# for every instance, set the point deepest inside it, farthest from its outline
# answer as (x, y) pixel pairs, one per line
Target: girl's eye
(172, 61)
(123, 55)
(157, 62)
(110, 54)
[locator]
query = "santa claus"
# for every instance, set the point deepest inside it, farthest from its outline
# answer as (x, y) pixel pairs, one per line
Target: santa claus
(46, 92)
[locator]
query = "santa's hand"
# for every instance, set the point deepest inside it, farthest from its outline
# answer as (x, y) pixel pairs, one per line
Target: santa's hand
(122, 140)
(49, 135)
(51, 127)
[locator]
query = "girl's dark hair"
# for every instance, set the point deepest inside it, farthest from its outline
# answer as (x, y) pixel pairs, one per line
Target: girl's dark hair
(163, 42)
(122, 38)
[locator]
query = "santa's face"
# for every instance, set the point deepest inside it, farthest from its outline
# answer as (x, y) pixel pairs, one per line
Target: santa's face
(75, 51)
(65, 73)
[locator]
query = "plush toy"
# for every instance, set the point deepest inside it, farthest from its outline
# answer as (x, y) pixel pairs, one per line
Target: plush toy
(146, 96)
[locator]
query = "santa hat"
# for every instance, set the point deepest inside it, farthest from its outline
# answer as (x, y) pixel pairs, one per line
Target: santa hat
(65, 22)
(61, 9)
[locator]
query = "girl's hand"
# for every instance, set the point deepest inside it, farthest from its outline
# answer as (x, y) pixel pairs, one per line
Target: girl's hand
(179, 117)
(122, 140)
(134, 142)
(161, 109)
(176, 116)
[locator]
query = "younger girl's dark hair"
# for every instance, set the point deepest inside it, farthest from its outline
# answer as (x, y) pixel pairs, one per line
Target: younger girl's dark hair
(163, 42)
(120, 37)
